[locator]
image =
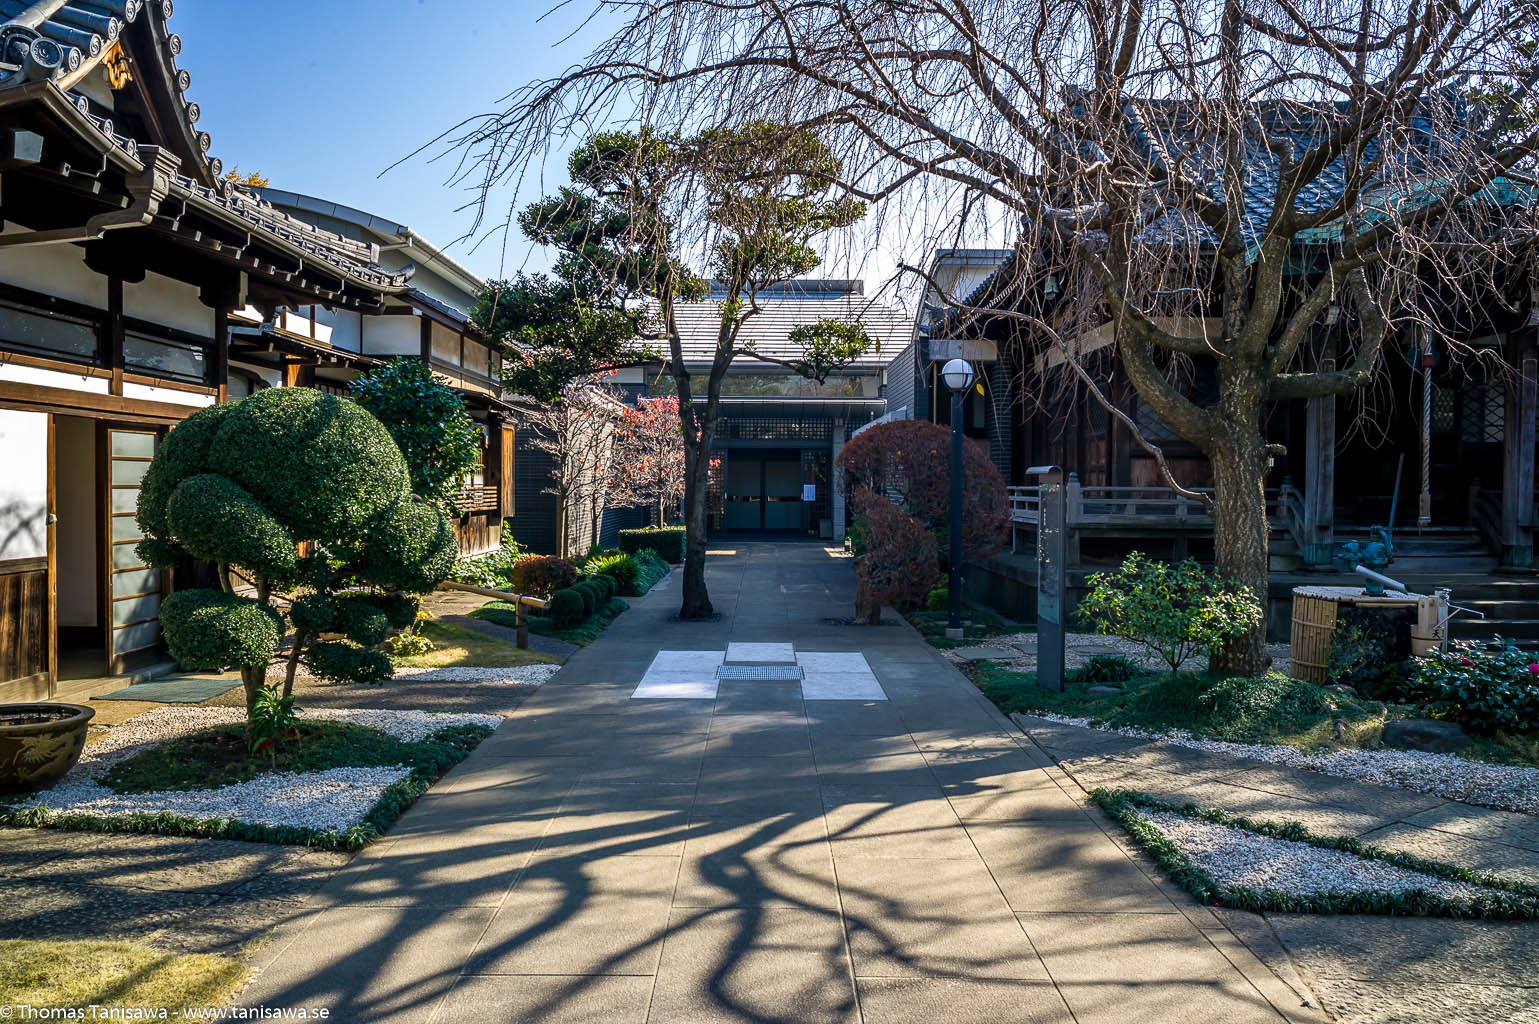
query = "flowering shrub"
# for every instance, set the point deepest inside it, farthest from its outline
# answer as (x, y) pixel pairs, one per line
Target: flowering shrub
(1485, 690)
(1173, 610)
(541, 575)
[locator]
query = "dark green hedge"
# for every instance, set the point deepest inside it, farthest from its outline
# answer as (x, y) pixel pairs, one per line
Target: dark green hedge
(566, 608)
(207, 630)
(667, 541)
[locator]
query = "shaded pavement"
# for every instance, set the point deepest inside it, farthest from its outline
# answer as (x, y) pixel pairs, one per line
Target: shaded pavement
(760, 856)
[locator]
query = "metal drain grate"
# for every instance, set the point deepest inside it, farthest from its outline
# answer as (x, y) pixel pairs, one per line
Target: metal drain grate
(760, 673)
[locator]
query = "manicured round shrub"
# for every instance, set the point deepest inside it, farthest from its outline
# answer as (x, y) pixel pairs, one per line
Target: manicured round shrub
(566, 608)
(313, 613)
(411, 546)
(400, 610)
(214, 518)
(181, 453)
(207, 630)
(606, 585)
(589, 595)
(345, 663)
(361, 621)
(541, 575)
(322, 463)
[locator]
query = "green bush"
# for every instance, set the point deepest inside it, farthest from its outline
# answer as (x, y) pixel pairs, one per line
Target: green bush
(347, 663)
(313, 613)
(606, 585)
(1173, 610)
(492, 569)
(938, 599)
(427, 419)
(567, 608)
(1244, 708)
(667, 541)
(209, 511)
(650, 568)
(207, 630)
(361, 621)
(1106, 668)
(592, 596)
(622, 568)
(411, 547)
(1488, 691)
(541, 575)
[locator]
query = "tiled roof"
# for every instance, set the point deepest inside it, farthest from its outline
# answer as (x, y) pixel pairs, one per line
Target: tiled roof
(60, 42)
(769, 330)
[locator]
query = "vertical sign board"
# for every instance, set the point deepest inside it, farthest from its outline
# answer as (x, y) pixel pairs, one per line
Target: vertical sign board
(1051, 582)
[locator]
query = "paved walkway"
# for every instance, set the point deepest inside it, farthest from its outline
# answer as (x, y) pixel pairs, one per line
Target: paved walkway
(759, 855)
(1364, 969)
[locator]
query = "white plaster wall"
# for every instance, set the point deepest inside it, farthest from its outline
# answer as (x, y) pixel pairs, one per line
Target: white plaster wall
(171, 395)
(346, 327)
(53, 270)
(170, 303)
(75, 489)
(272, 378)
(392, 336)
(19, 374)
(24, 484)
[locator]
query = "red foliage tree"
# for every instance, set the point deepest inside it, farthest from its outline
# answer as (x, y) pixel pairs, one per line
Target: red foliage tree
(648, 466)
(909, 462)
(897, 562)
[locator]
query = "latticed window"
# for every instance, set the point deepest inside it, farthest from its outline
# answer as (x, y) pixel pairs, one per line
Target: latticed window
(1445, 405)
(776, 428)
(1483, 418)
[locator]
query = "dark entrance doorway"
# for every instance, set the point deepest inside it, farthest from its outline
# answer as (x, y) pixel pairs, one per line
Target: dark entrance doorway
(764, 492)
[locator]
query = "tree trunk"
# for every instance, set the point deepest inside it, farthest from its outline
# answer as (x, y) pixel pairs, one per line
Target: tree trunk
(253, 678)
(696, 603)
(1241, 533)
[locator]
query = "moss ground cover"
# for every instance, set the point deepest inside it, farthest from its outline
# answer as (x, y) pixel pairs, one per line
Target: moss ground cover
(458, 647)
(582, 634)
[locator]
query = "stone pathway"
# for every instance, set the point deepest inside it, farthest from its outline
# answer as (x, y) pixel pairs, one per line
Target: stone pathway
(753, 854)
(1364, 969)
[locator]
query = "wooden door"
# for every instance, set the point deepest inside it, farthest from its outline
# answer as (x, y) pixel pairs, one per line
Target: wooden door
(26, 622)
(133, 588)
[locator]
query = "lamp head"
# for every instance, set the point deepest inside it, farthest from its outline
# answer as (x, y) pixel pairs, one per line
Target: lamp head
(958, 374)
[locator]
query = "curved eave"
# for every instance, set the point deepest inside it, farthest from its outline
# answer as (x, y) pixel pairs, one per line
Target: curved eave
(62, 109)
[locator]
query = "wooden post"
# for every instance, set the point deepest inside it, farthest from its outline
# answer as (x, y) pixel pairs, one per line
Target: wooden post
(1518, 436)
(1319, 492)
(522, 618)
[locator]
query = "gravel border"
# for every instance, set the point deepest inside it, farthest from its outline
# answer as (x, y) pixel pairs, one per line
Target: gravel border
(333, 800)
(527, 675)
(1238, 862)
(1508, 787)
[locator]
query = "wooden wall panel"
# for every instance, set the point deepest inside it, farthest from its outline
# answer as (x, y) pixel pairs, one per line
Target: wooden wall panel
(23, 619)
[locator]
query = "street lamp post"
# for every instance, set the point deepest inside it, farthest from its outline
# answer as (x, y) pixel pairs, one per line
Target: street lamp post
(958, 375)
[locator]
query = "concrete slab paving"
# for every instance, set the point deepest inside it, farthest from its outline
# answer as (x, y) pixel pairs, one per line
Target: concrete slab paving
(758, 853)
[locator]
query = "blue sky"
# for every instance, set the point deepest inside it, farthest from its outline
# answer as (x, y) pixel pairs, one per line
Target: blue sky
(322, 96)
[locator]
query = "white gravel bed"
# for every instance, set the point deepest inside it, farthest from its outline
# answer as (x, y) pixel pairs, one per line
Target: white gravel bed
(1509, 787)
(530, 675)
(1019, 651)
(1235, 857)
(337, 798)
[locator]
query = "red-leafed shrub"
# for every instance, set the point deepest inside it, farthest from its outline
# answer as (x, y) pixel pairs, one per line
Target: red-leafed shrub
(541, 575)
(909, 461)
(896, 562)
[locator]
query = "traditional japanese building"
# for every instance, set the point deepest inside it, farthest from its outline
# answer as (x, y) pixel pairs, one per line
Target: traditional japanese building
(137, 286)
(772, 460)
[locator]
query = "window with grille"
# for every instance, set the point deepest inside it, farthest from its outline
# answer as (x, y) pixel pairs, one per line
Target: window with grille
(776, 428)
(162, 357)
(48, 333)
(1483, 417)
(1445, 406)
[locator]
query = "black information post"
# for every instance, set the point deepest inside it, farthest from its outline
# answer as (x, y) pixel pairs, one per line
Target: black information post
(1050, 576)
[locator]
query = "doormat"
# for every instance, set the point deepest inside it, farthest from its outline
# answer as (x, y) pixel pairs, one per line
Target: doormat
(174, 691)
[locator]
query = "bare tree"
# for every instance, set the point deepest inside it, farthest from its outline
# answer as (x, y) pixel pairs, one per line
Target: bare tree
(1208, 177)
(578, 433)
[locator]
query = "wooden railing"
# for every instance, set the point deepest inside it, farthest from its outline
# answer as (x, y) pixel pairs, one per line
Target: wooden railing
(477, 499)
(1289, 514)
(1143, 507)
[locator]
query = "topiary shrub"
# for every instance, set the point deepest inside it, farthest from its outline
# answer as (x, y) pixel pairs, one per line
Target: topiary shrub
(244, 484)
(541, 575)
(209, 631)
(938, 599)
(591, 597)
(347, 663)
(667, 541)
(1175, 611)
(567, 608)
(1488, 691)
(1250, 707)
(439, 441)
(607, 586)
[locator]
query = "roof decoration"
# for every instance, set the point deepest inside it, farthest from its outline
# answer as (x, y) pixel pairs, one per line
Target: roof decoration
(62, 41)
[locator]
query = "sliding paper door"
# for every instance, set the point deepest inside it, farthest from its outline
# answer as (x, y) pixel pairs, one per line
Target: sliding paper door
(133, 588)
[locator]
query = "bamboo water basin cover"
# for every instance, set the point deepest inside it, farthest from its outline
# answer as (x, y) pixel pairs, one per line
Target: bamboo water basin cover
(1314, 619)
